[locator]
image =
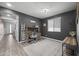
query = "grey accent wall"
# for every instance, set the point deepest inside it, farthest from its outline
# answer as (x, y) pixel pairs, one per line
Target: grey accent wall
(25, 19)
(67, 24)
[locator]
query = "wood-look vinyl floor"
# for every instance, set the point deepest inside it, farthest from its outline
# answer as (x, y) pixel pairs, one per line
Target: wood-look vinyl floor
(46, 47)
(10, 47)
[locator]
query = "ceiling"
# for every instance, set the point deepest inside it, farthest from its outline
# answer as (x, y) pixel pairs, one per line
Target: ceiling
(40, 9)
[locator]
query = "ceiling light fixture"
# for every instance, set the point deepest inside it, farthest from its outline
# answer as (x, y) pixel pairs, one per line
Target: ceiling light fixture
(45, 10)
(9, 4)
(8, 15)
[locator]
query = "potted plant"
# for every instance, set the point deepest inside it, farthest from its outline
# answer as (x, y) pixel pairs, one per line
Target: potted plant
(72, 33)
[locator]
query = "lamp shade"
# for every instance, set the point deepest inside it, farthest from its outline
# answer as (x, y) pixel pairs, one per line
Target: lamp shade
(70, 41)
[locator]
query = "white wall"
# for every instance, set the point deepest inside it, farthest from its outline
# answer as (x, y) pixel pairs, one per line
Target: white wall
(1, 29)
(17, 30)
(78, 31)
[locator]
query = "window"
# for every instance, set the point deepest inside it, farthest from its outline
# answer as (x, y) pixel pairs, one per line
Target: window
(54, 25)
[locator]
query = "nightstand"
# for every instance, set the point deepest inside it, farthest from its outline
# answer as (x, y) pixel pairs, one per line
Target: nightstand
(69, 46)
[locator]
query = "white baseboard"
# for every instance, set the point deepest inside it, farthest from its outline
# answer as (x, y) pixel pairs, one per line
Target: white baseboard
(53, 39)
